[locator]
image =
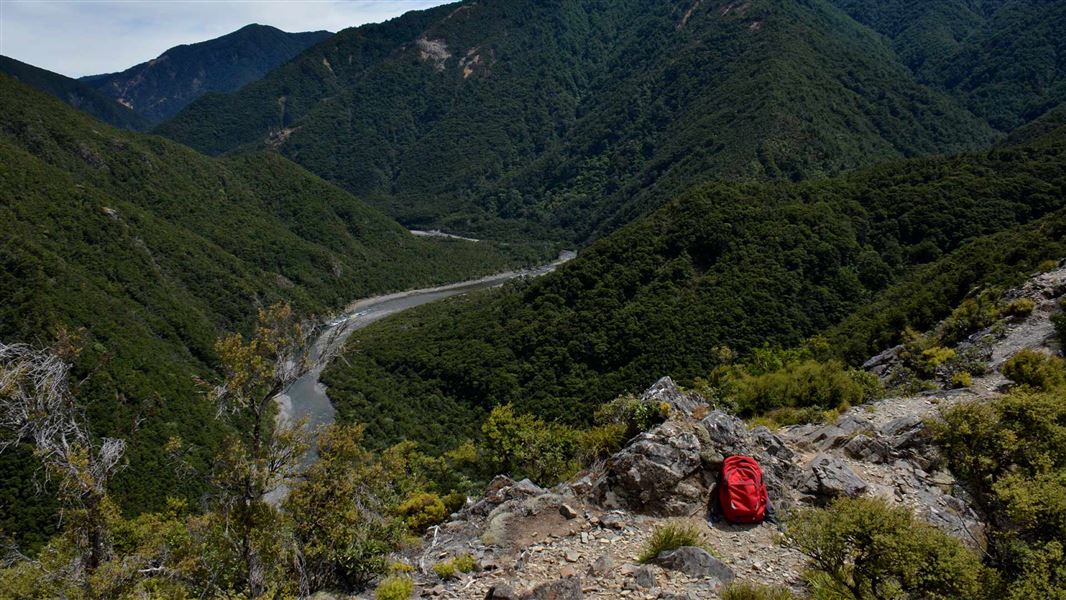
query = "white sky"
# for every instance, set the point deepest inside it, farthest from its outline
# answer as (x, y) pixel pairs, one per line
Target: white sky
(86, 37)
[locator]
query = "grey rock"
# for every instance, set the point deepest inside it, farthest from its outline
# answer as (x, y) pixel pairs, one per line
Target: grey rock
(665, 390)
(726, 433)
(904, 433)
(647, 473)
(528, 488)
(560, 589)
(695, 562)
(828, 477)
(501, 591)
(613, 520)
(601, 566)
(865, 448)
(645, 577)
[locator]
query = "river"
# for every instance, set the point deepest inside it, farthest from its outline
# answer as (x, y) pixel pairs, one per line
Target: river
(307, 399)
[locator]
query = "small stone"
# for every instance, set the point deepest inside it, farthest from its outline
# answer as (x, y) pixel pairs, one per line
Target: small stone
(645, 577)
(567, 571)
(695, 562)
(572, 556)
(601, 566)
(584, 538)
(501, 591)
(567, 511)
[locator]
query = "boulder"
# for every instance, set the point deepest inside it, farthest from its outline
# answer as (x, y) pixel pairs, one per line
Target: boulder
(501, 591)
(659, 472)
(645, 578)
(865, 448)
(560, 589)
(828, 477)
(666, 391)
(695, 562)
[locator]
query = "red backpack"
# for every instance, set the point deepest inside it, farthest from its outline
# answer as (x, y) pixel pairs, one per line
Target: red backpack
(741, 491)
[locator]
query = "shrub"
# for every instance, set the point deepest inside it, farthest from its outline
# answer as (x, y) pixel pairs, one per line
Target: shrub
(973, 314)
(806, 384)
(396, 587)
(637, 416)
(671, 536)
(454, 502)
(1047, 265)
(465, 563)
(1013, 453)
(422, 510)
(864, 548)
(1059, 321)
(1035, 370)
(962, 379)
(1021, 307)
(525, 446)
(936, 356)
(445, 569)
(753, 591)
(600, 442)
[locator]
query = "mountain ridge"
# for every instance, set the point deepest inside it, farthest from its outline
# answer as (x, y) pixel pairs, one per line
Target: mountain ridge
(158, 88)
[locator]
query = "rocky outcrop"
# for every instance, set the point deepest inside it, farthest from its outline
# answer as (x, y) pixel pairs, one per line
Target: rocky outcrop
(681, 403)
(827, 478)
(659, 472)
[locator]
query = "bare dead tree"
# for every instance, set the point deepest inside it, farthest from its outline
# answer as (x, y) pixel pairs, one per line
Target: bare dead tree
(37, 407)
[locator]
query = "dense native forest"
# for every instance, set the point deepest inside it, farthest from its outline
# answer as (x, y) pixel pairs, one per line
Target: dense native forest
(770, 191)
(159, 88)
(75, 93)
(148, 251)
(858, 258)
(570, 118)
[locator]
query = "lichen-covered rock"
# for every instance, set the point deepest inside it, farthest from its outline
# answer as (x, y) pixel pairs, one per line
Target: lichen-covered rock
(561, 589)
(659, 472)
(666, 391)
(695, 562)
(828, 477)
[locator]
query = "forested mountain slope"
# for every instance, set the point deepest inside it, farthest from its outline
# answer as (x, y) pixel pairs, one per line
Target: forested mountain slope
(568, 118)
(159, 88)
(722, 265)
(1003, 59)
(148, 251)
(75, 93)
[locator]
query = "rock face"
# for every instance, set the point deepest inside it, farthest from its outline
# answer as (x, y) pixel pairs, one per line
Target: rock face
(681, 403)
(696, 562)
(827, 478)
(659, 472)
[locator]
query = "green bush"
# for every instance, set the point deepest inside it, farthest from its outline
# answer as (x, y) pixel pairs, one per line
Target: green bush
(1021, 307)
(864, 548)
(525, 446)
(806, 384)
(972, 314)
(671, 536)
(600, 442)
(465, 563)
(636, 416)
(1047, 265)
(422, 510)
(754, 591)
(396, 587)
(1059, 321)
(962, 379)
(1035, 370)
(1012, 452)
(445, 569)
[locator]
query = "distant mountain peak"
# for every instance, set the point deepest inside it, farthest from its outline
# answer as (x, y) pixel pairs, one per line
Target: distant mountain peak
(160, 87)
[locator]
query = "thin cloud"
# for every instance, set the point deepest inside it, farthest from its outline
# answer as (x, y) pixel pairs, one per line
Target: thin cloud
(85, 37)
